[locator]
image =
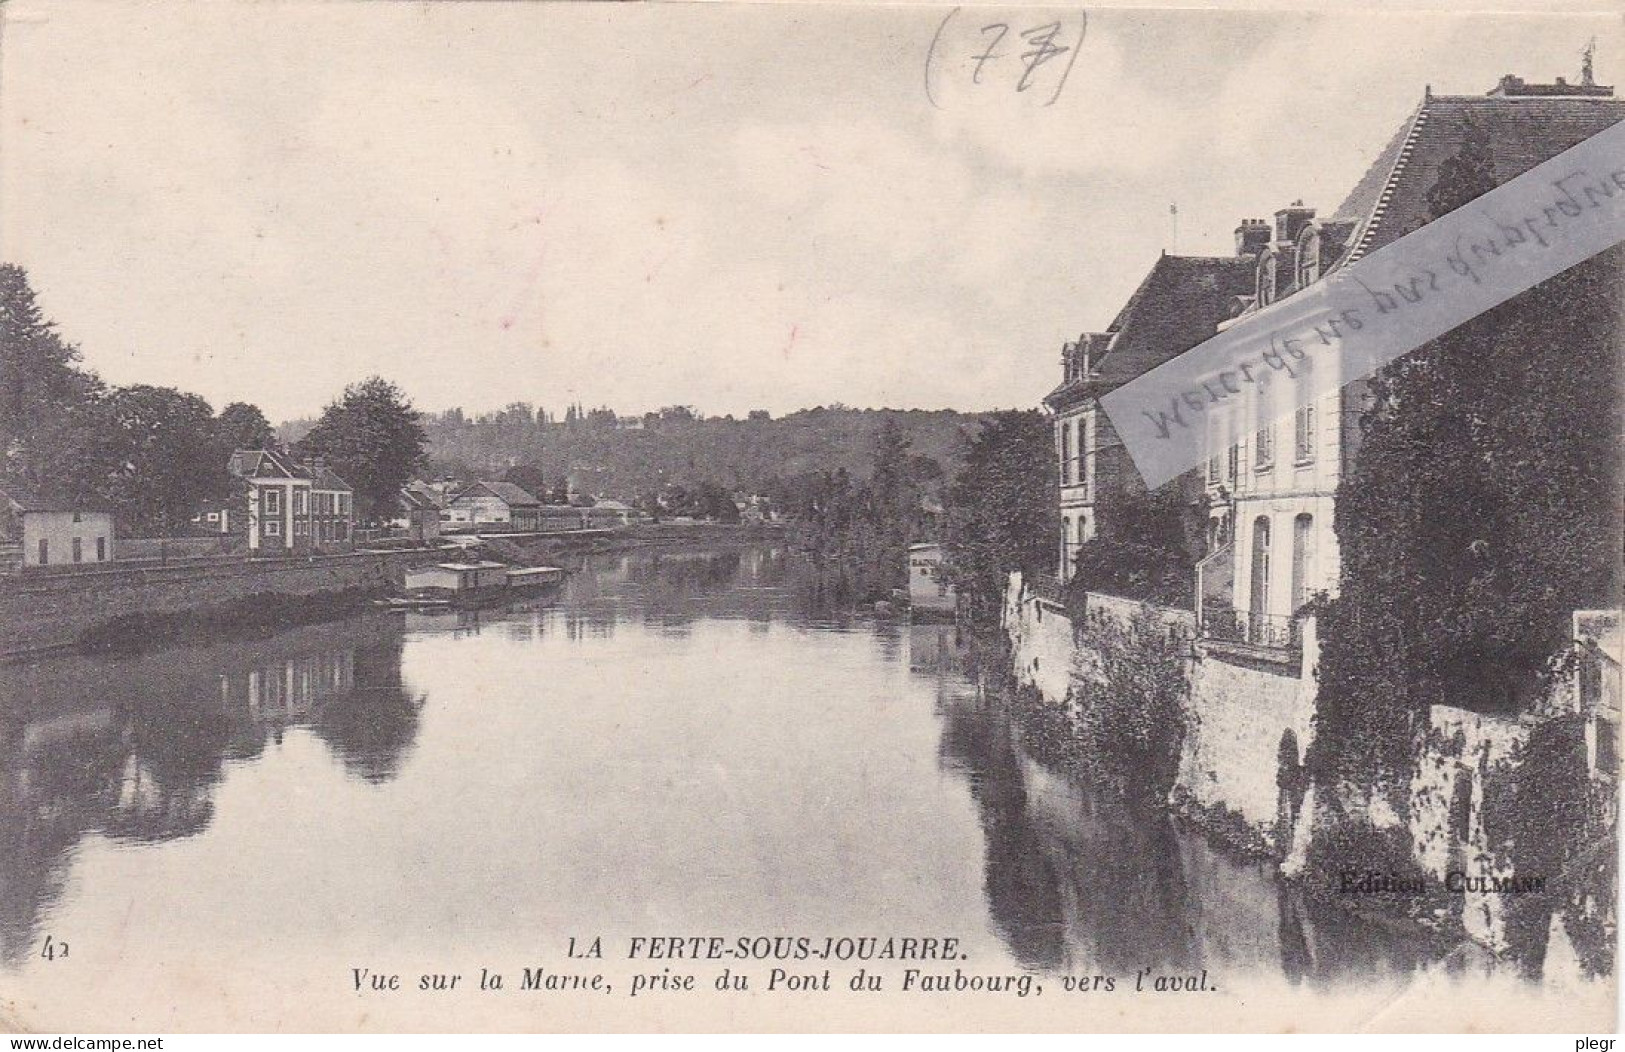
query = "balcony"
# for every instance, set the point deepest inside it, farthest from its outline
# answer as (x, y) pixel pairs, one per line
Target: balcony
(1282, 637)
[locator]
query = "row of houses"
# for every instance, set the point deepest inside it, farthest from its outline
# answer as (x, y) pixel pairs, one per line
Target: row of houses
(511, 506)
(1270, 492)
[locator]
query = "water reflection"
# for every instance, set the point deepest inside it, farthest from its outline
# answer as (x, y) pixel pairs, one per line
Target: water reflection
(850, 752)
(1083, 880)
(132, 748)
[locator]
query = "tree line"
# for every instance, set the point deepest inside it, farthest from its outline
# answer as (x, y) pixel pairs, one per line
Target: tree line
(156, 455)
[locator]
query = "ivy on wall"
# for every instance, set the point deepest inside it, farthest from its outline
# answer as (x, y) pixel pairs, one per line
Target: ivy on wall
(1479, 512)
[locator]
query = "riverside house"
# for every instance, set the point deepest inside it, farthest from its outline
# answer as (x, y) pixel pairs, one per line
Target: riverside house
(293, 507)
(1177, 306)
(1272, 492)
(495, 502)
(52, 529)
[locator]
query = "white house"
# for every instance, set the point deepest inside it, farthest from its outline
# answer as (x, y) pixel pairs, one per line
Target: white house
(53, 529)
(1272, 490)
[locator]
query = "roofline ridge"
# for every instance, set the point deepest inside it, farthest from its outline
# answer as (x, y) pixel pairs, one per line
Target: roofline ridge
(1368, 225)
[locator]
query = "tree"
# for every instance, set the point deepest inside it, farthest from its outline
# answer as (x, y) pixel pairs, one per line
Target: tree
(372, 437)
(169, 457)
(1486, 488)
(48, 430)
(243, 426)
(1001, 508)
(529, 478)
(1140, 550)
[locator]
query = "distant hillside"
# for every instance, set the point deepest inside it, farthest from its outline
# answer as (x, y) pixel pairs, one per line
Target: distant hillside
(627, 458)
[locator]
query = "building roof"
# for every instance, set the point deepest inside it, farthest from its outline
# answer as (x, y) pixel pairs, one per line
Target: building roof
(29, 497)
(412, 500)
(265, 463)
(612, 505)
(1178, 305)
(1522, 130)
(324, 478)
(510, 494)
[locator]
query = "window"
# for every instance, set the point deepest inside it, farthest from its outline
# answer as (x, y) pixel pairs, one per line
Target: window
(1259, 584)
(344, 504)
(1234, 464)
(214, 516)
(1066, 453)
(78, 550)
(76, 517)
(1213, 470)
(1264, 448)
(44, 552)
(1304, 441)
(273, 501)
(273, 528)
(1302, 560)
(298, 502)
(101, 549)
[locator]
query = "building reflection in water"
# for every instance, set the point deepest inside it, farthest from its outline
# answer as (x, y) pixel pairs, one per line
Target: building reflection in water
(1084, 880)
(132, 748)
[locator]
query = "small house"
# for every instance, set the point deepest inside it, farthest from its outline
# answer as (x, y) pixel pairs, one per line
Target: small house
(495, 503)
(420, 515)
(928, 589)
(54, 529)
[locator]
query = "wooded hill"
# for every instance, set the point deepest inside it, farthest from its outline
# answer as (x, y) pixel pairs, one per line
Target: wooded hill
(615, 457)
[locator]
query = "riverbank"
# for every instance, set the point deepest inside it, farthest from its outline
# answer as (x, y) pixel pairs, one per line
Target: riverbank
(119, 606)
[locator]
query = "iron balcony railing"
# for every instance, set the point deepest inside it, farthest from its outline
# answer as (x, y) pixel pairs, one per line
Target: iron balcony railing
(1259, 630)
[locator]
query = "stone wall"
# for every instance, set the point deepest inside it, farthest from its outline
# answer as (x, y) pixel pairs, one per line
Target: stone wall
(38, 612)
(1042, 644)
(1238, 710)
(1241, 711)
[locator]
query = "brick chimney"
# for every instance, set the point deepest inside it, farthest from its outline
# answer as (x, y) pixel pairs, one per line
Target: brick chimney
(1290, 220)
(1252, 237)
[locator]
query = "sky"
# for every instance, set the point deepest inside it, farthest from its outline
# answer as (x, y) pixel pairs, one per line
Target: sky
(729, 207)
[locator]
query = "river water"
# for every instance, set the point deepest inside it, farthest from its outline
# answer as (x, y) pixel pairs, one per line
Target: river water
(679, 743)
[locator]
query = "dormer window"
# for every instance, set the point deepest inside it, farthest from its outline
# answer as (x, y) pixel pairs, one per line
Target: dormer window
(1309, 261)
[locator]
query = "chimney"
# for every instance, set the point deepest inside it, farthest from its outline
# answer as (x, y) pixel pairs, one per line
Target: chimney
(1290, 220)
(1252, 237)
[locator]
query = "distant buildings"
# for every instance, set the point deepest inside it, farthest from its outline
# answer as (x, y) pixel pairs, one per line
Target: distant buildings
(929, 592)
(52, 529)
(495, 502)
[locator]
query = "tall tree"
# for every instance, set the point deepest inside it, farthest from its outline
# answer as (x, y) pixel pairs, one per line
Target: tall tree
(243, 426)
(529, 478)
(1001, 508)
(372, 437)
(170, 459)
(47, 403)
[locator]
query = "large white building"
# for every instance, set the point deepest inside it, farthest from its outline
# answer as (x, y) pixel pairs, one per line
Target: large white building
(1272, 491)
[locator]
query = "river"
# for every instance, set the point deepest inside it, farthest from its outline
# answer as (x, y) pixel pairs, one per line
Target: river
(679, 743)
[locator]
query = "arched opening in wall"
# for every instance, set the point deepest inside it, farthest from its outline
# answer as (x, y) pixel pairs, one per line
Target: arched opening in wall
(1258, 590)
(1302, 558)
